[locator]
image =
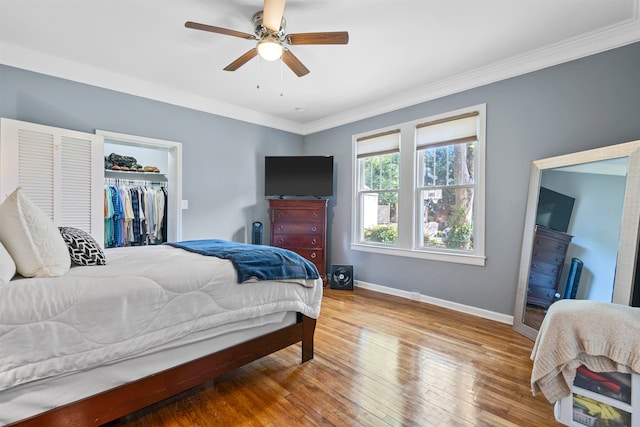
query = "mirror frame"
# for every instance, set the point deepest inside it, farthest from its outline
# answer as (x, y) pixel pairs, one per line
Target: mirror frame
(628, 246)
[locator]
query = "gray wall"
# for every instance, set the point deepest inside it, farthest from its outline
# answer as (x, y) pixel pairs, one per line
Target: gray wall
(583, 104)
(222, 158)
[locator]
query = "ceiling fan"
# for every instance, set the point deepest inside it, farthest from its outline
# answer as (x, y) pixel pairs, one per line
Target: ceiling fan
(269, 30)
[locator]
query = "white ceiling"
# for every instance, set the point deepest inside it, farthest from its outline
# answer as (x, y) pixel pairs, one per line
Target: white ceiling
(400, 52)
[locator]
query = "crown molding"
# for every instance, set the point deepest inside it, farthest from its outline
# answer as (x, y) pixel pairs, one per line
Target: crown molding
(618, 35)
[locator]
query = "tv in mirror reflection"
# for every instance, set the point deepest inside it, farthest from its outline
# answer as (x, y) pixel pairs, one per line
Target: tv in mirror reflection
(298, 176)
(554, 210)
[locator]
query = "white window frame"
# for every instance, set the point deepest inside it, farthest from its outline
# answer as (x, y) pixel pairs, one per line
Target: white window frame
(409, 217)
(386, 142)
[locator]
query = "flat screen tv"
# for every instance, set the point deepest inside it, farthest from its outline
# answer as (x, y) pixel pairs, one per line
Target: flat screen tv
(554, 210)
(289, 176)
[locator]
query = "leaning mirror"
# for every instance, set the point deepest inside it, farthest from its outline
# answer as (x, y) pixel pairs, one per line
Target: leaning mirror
(581, 231)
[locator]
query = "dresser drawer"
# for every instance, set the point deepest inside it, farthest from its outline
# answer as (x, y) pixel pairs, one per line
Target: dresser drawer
(309, 241)
(539, 266)
(540, 296)
(297, 228)
(549, 245)
(298, 215)
(316, 256)
(544, 280)
(540, 255)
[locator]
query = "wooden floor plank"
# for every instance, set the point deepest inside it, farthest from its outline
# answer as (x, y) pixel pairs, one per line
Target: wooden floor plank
(379, 361)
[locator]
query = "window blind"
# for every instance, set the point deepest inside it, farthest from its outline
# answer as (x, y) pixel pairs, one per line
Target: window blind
(378, 144)
(451, 130)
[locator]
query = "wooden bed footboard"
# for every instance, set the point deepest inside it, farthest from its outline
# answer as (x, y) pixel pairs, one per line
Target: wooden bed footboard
(122, 400)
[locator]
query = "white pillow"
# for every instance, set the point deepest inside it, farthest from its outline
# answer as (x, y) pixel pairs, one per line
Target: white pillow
(32, 239)
(7, 266)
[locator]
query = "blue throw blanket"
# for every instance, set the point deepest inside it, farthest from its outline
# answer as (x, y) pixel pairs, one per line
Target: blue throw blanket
(256, 262)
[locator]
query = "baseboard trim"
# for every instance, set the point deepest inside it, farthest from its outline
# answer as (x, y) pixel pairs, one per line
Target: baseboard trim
(415, 296)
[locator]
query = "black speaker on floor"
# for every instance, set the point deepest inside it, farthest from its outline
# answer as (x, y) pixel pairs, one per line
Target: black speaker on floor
(342, 277)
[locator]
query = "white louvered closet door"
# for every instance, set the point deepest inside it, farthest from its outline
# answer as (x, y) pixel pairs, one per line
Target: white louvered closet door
(60, 170)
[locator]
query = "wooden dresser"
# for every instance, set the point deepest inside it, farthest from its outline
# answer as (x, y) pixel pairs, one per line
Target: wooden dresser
(547, 259)
(301, 226)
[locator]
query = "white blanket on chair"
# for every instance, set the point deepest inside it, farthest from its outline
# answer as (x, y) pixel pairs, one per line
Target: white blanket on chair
(602, 336)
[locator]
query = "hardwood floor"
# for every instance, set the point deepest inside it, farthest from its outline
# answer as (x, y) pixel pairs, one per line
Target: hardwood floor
(379, 361)
(533, 316)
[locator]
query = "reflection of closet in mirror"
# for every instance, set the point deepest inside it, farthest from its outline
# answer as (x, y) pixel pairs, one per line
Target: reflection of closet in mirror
(603, 222)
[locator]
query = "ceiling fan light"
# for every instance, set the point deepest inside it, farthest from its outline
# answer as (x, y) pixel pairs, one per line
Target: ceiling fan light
(269, 49)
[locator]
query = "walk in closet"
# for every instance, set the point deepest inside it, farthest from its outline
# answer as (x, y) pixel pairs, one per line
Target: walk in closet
(63, 172)
(143, 207)
(135, 208)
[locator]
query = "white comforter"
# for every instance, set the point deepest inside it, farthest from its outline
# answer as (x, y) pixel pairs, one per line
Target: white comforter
(144, 298)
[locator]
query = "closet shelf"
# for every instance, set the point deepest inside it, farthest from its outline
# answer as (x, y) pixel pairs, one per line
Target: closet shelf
(146, 176)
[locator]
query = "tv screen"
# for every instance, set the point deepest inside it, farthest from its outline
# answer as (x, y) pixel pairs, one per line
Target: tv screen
(298, 176)
(554, 210)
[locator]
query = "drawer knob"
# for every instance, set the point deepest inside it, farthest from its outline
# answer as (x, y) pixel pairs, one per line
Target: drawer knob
(314, 228)
(313, 255)
(528, 290)
(281, 227)
(315, 215)
(281, 214)
(314, 241)
(281, 241)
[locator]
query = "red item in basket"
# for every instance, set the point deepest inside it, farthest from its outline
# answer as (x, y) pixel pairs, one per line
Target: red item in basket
(605, 382)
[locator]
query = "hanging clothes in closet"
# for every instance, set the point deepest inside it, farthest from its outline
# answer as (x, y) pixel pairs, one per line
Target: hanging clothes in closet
(134, 213)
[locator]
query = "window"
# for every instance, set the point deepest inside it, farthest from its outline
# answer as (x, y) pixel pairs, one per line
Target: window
(446, 167)
(378, 165)
(419, 188)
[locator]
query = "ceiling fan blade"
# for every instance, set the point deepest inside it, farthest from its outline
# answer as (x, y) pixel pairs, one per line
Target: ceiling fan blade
(242, 60)
(294, 63)
(219, 30)
(272, 14)
(335, 37)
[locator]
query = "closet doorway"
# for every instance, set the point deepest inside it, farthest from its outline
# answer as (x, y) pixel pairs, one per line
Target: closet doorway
(163, 154)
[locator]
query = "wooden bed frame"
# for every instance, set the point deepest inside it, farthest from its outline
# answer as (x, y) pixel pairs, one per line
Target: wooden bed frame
(122, 400)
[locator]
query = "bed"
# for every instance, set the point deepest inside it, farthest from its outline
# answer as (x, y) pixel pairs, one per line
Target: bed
(175, 319)
(100, 342)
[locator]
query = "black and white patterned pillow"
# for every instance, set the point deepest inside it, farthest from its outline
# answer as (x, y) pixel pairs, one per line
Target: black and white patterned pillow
(83, 248)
